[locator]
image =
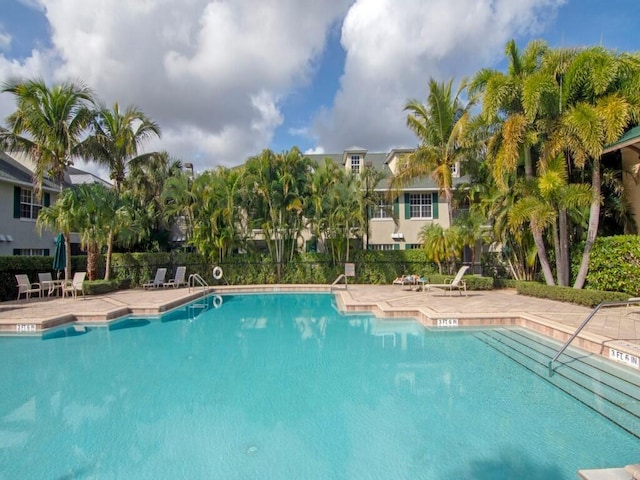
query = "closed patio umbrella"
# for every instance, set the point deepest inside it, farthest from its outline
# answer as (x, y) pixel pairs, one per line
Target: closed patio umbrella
(59, 254)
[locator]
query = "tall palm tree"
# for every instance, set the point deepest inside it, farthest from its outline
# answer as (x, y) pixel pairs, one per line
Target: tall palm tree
(599, 99)
(440, 127)
(114, 142)
(116, 139)
(47, 124)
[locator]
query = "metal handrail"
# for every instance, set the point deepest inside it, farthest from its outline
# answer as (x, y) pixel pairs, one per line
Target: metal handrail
(340, 277)
(586, 320)
(195, 277)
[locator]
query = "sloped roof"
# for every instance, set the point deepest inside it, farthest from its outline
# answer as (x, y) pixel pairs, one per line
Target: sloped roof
(13, 171)
(629, 138)
(379, 160)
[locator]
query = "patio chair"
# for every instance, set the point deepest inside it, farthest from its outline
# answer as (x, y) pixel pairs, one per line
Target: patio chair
(178, 280)
(456, 284)
(158, 281)
(25, 287)
(75, 285)
(47, 284)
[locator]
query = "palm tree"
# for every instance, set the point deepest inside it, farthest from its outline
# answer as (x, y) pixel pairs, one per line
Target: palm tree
(114, 142)
(598, 100)
(144, 183)
(441, 246)
(515, 102)
(61, 217)
(440, 127)
(116, 139)
(47, 124)
(276, 186)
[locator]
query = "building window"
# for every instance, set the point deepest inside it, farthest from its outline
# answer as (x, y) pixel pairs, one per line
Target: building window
(381, 246)
(455, 170)
(29, 204)
(355, 164)
(421, 205)
(382, 210)
(413, 246)
(31, 252)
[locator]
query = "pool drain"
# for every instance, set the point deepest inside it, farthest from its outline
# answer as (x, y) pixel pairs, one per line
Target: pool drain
(252, 450)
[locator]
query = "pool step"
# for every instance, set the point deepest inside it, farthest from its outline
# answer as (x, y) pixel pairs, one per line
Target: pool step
(612, 392)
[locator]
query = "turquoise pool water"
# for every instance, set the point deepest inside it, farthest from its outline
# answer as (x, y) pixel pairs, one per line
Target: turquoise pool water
(285, 387)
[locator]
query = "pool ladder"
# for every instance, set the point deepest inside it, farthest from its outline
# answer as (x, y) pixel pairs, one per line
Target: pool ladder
(196, 278)
(628, 302)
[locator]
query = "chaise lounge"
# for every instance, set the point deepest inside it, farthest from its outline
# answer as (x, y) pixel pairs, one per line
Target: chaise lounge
(456, 284)
(158, 281)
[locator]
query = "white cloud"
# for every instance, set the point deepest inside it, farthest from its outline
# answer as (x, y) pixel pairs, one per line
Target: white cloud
(5, 39)
(211, 73)
(393, 49)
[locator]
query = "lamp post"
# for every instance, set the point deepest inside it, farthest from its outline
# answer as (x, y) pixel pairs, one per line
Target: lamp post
(189, 166)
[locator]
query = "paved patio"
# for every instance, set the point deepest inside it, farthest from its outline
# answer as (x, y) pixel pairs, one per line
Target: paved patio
(615, 328)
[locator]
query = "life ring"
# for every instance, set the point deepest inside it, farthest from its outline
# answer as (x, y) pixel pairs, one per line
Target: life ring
(217, 273)
(217, 301)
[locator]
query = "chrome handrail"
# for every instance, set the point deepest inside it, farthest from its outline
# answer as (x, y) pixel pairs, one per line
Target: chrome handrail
(584, 324)
(195, 277)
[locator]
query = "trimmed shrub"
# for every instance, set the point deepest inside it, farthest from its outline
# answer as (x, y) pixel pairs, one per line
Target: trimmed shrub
(614, 264)
(587, 298)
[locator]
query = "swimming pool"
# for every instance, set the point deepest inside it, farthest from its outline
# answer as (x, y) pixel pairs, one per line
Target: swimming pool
(284, 386)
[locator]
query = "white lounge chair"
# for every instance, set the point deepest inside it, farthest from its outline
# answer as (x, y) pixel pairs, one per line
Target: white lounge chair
(75, 285)
(158, 281)
(25, 287)
(178, 280)
(456, 284)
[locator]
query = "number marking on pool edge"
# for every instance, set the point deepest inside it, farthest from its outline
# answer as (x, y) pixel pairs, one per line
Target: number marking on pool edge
(622, 357)
(447, 322)
(25, 327)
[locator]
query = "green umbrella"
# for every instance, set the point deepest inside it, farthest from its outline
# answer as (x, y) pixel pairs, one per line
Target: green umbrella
(59, 254)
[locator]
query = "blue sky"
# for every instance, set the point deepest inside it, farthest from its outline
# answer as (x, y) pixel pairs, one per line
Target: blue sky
(228, 78)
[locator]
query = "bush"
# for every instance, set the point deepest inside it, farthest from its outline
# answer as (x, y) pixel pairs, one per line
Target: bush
(614, 264)
(587, 298)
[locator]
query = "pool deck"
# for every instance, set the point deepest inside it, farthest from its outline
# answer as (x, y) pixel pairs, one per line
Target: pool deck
(613, 332)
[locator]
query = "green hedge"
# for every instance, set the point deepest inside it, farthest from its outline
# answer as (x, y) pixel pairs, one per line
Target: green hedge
(614, 264)
(587, 298)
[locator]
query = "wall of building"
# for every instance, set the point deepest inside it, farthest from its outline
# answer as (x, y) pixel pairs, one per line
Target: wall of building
(22, 231)
(630, 166)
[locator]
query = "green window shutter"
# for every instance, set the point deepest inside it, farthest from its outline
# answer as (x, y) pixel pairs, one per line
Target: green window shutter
(47, 199)
(396, 246)
(16, 202)
(434, 205)
(407, 206)
(396, 207)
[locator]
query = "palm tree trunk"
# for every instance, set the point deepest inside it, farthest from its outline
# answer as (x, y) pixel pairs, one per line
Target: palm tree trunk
(528, 164)
(563, 249)
(542, 256)
(92, 260)
(594, 219)
(107, 270)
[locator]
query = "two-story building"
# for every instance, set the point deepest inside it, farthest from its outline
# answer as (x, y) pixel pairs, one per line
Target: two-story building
(18, 233)
(418, 204)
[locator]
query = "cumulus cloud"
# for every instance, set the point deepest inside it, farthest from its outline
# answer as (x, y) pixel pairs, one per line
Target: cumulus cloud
(215, 73)
(5, 39)
(392, 49)
(211, 73)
